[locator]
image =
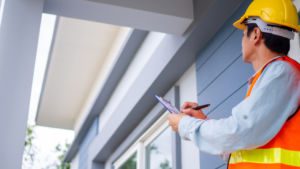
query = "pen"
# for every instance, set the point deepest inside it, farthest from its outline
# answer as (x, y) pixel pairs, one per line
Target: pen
(201, 107)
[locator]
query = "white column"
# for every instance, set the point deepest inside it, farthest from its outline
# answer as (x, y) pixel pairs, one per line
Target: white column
(18, 43)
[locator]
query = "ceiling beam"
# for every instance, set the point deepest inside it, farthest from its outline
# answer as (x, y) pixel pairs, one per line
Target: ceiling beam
(168, 16)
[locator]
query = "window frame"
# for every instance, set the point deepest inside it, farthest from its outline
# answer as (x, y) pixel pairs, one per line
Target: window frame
(131, 151)
(142, 142)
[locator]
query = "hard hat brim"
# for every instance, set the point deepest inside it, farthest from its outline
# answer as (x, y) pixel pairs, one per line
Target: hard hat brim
(239, 23)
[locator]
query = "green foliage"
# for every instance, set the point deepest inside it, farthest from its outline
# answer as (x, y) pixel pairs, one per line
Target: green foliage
(62, 151)
(29, 149)
(130, 163)
(165, 165)
(29, 136)
(30, 157)
(153, 148)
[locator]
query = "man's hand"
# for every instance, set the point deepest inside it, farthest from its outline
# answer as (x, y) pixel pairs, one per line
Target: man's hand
(186, 108)
(174, 120)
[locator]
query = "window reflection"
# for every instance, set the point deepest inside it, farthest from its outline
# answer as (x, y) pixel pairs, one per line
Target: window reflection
(130, 163)
(159, 151)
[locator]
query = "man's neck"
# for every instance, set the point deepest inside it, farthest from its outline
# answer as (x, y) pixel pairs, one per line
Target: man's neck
(263, 59)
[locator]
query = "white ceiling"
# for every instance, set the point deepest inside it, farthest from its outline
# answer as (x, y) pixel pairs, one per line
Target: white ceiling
(80, 50)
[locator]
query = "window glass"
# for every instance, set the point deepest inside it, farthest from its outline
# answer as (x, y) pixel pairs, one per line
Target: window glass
(153, 150)
(159, 151)
(130, 163)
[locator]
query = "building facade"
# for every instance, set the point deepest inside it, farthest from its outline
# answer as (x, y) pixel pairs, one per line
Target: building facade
(138, 136)
(183, 51)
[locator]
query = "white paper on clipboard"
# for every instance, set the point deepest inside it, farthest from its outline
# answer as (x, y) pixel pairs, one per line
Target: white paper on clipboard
(167, 104)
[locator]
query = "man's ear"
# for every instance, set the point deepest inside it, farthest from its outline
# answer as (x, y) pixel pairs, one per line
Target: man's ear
(256, 35)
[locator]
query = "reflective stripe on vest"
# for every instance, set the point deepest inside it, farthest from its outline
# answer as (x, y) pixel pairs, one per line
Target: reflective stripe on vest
(283, 151)
(272, 155)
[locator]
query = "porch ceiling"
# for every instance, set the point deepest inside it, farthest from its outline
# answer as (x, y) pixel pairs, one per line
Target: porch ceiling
(80, 53)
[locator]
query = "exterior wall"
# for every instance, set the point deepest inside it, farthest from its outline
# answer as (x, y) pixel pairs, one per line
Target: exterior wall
(216, 68)
(188, 92)
(295, 44)
(84, 146)
(144, 53)
(75, 161)
(171, 57)
(295, 48)
(222, 78)
(138, 135)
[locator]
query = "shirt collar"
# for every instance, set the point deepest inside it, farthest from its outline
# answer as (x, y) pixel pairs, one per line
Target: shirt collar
(252, 77)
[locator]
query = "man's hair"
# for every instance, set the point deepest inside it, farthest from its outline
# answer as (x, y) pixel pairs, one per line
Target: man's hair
(275, 43)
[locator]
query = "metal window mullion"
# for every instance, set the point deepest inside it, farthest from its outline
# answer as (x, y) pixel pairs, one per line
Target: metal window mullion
(176, 141)
(141, 156)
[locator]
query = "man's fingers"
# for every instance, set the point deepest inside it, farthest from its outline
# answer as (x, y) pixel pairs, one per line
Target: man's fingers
(186, 111)
(189, 111)
(174, 120)
(194, 113)
(170, 118)
(184, 105)
(188, 105)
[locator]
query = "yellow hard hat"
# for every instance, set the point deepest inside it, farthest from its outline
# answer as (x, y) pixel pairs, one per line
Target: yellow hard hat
(277, 12)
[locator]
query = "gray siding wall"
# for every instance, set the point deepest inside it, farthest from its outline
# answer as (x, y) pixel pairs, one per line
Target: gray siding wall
(84, 146)
(222, 77)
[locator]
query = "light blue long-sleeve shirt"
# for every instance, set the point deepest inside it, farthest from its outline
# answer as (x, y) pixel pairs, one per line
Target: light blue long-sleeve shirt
(255, 120)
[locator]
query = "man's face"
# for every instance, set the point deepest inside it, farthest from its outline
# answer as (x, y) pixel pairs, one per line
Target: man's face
(247, 47)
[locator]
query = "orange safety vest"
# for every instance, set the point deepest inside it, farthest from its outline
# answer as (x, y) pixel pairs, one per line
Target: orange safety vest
(283, 151)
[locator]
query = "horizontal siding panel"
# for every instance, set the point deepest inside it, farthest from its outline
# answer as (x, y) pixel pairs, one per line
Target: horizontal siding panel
(224, 57)
(222, 78)
(212, 47)
(224, 110)
(210, 161)
(227, 83)
(221, 36)
(224, 166)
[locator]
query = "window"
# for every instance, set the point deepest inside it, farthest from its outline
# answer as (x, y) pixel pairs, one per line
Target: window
(128, 160)
(153, 150)
(158, 152)
(130, 163)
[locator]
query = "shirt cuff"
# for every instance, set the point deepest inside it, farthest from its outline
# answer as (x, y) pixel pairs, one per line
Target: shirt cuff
(188, 125)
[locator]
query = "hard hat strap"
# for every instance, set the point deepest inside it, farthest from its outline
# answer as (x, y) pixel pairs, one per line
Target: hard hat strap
(264, 27)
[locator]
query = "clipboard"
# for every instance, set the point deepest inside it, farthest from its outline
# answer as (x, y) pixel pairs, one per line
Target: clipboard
(167, 104)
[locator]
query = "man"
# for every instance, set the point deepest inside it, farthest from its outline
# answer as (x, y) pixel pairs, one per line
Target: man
(264, 129)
